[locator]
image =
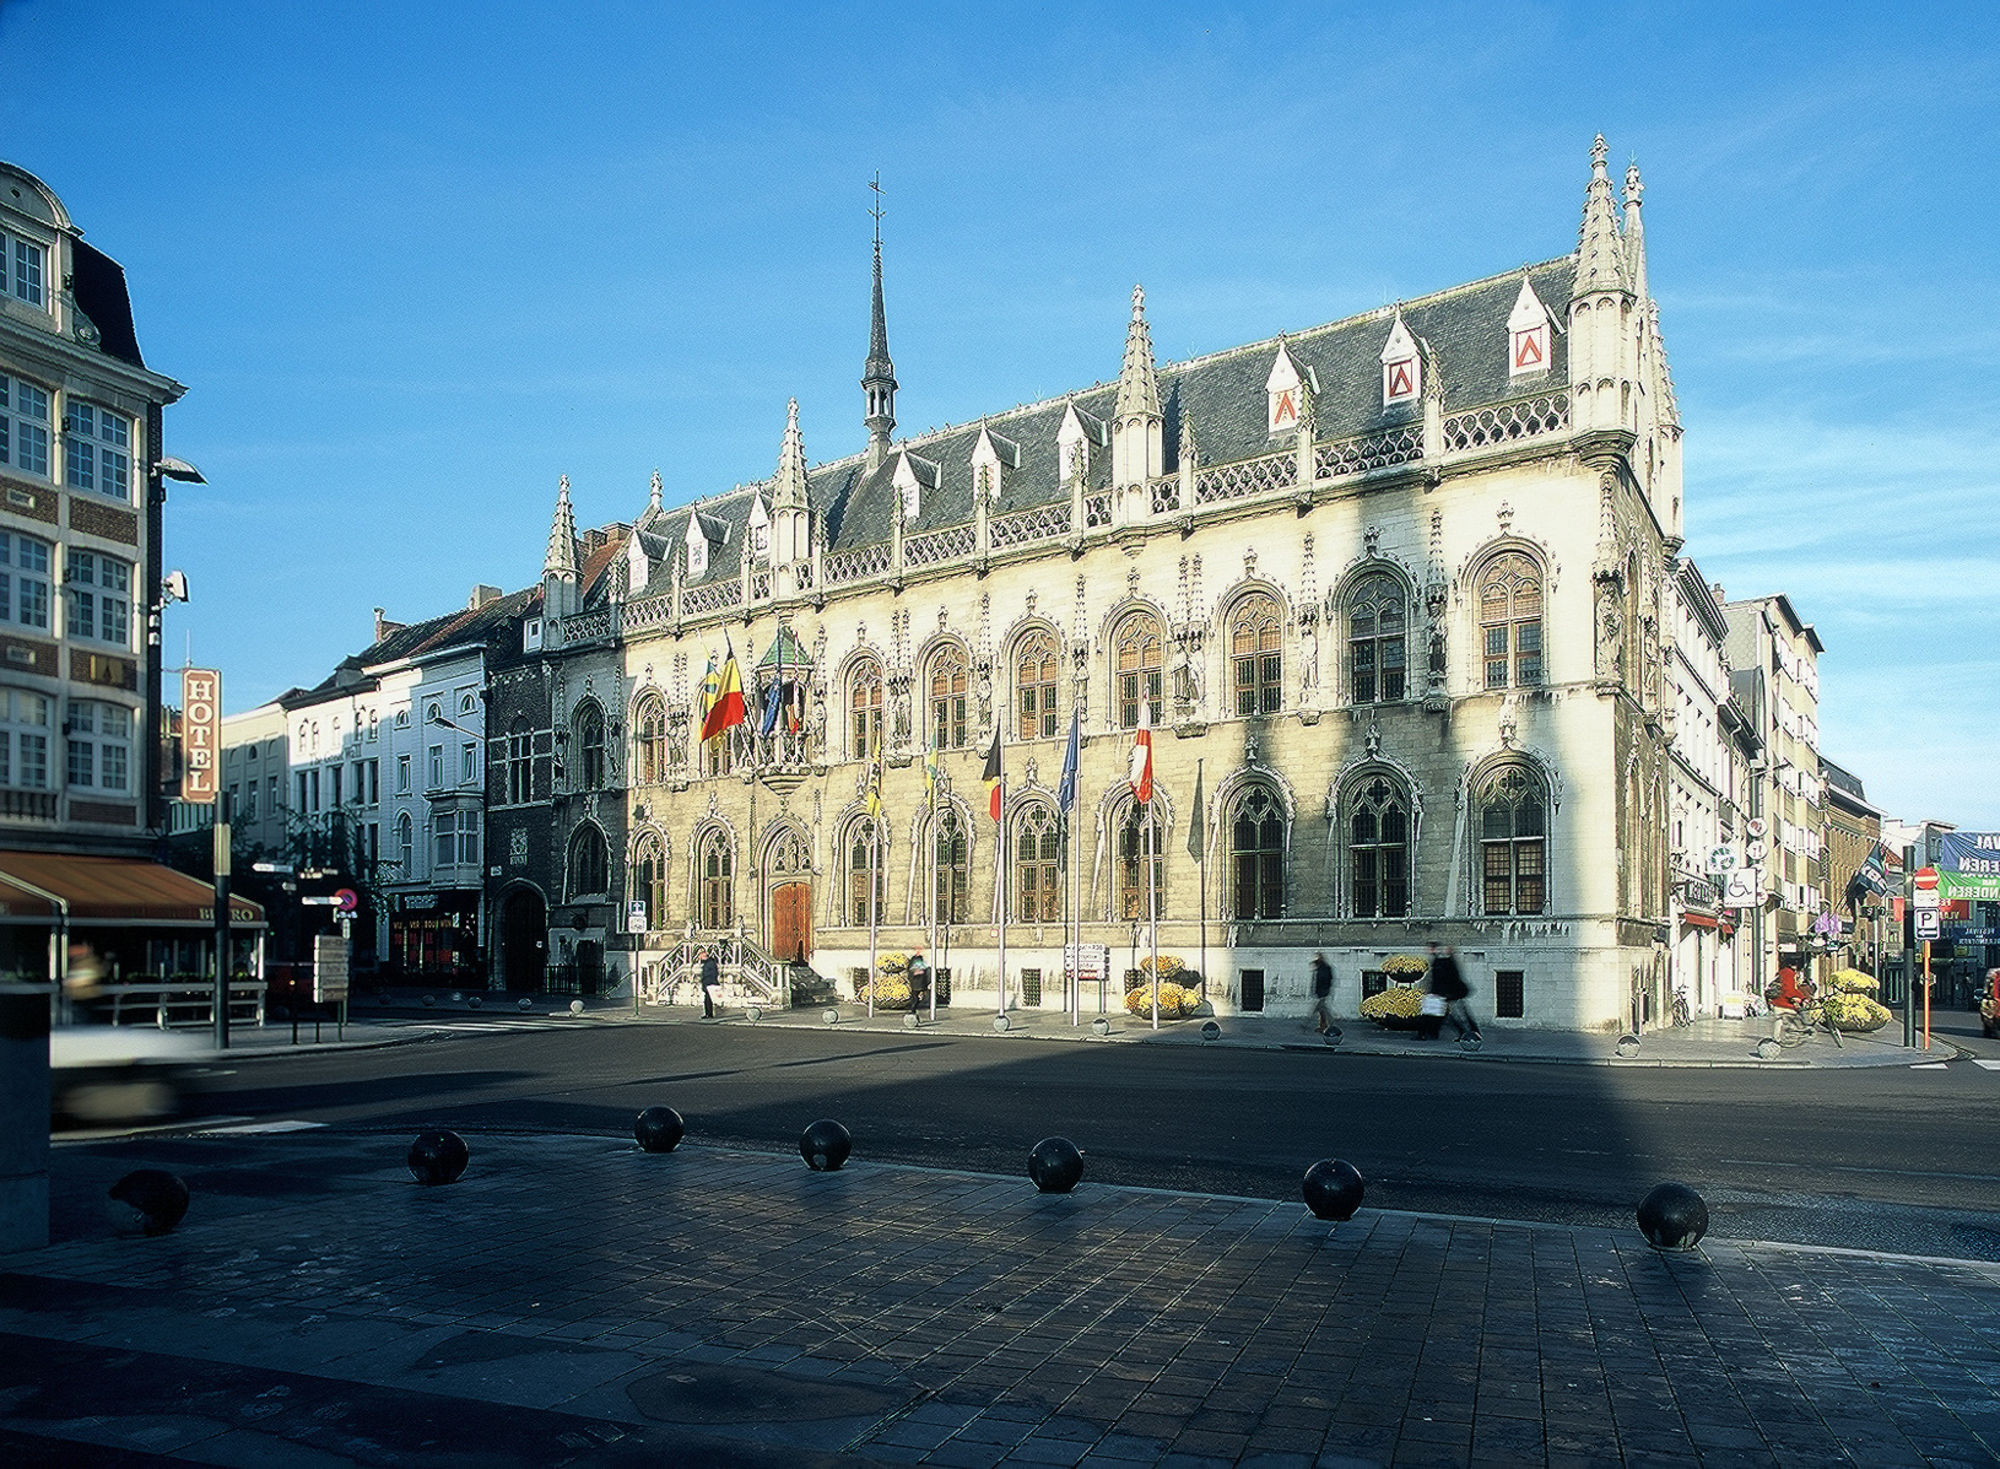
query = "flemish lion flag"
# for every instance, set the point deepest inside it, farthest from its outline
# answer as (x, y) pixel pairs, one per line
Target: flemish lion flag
(727, 710)
(871, 799)
(1197, 820)
(711, 691)
(992, 773)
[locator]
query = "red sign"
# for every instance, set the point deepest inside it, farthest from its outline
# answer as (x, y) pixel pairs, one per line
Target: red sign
(1926, 880)
(347, 900)
(201, 735)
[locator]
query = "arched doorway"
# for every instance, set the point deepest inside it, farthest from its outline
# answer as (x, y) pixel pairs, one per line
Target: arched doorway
(789, 909)
(524, 940)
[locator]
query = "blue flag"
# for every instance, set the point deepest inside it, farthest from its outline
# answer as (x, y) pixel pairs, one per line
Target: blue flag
(1066, 787)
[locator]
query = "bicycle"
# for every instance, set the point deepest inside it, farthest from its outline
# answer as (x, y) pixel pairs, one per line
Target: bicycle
(1682, 1015)
(1791, 1027)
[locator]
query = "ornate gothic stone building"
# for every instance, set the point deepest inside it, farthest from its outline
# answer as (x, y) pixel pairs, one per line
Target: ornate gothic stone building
(1389, 593)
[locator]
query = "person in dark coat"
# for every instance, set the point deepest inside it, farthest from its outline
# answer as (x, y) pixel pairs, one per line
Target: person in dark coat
(711, 983)
(1322, 993)
(1449, 985)
(919, 974)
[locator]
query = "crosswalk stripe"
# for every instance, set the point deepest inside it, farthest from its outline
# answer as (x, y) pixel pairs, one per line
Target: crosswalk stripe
(1982, 1062)
(244, 1129)
(1929, 1066)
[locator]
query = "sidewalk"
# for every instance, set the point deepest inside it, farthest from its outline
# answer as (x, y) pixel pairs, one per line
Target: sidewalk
(1708, 1042)
(573, 1300)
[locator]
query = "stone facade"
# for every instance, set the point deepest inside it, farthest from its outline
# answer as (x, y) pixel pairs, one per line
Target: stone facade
(1392, 592)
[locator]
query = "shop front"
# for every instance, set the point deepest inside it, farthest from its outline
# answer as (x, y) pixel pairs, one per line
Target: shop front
(434, 939)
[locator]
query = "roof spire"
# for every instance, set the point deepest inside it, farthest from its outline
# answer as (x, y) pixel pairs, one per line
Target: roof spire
(790, 489)
(561, 560)
(1600, 264)
(653, 494)
(878, 376)
(1635, 233)
(1138, 386)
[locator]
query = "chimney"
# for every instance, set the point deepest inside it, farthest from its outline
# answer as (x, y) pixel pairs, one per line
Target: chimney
(481, 595)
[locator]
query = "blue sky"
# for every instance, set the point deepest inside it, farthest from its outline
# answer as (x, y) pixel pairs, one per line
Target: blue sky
(414, 262)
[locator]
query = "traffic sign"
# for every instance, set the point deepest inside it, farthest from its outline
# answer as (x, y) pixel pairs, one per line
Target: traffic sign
(635, 916)
(1928, 924)
(347, 900)
(319, 900)
(329, 969)
(1926, 880)
(1742, 888)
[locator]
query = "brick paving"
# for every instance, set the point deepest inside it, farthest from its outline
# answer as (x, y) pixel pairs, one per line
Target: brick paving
(576, 1300)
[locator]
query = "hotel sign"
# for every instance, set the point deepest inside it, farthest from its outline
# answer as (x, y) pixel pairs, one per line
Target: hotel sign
(201, 735)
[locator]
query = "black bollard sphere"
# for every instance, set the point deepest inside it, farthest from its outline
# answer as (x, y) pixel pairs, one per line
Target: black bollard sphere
(1333, 1189)
(153, 1201)
(1210, 1031)
(1055, 1164)
(438, 1157)
(659, 1129)
(1673, 1217)
(825, 1145)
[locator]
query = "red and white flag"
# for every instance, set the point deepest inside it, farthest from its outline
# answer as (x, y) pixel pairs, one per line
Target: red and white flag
(1142, 755)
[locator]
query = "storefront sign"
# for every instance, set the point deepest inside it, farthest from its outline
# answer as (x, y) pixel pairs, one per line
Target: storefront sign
(201, 735)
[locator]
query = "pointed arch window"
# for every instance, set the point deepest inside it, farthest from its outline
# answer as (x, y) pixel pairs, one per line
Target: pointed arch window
(1135, 848)
(949, 680)
(865, 874)
(1378, 849)
(714, 879)
(649, 879)
(589, 864)
(589, 723)
(1257, 854)
(1510, 621)
(1377, 650)
(1137, 654)
(520, 763)
(1256, 655)
(1036, 663)
(864, 708)
(951, 867)
(650, 735)
(1513, 841)
(1038, 864)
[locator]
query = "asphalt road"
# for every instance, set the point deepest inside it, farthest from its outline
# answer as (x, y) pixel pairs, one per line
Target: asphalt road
(1891, 1159)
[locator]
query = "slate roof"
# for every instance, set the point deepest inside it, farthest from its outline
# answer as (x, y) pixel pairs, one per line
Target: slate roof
(1462, 330)
(490, 624)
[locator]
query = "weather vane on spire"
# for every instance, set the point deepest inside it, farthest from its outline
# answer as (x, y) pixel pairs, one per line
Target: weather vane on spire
(875, 211)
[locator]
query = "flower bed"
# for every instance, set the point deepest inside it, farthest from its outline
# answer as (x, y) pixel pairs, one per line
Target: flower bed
(1854, 1013)
(1177, 1002)
(1399, 1003)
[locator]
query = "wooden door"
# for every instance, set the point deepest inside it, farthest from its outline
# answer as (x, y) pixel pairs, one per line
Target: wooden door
(791, 922)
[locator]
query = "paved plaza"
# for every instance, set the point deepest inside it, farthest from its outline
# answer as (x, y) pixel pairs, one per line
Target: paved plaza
(575, 1300)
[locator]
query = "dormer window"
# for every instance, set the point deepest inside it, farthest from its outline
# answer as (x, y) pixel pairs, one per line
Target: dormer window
(1402, 370)
(697, 549)
(1527, 334)
(759, 524)
(1079, 436)
(24, 269)
(992, 457)
(1288, 403)
(913, 476)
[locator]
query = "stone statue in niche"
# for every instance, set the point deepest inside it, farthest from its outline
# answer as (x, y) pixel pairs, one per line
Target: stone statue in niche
(1309, 657)
(985, 692)
(900, 716)
(1610, 631)
(819, 721)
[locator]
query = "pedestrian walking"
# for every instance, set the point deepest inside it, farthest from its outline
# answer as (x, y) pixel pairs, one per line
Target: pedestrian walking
(1448, 984)
(1322, 994)
(711, 983)
(919, 974)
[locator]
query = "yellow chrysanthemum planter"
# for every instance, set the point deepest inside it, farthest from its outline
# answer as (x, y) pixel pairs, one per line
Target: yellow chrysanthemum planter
(1405, 966)
(1398, 1002)
(1853, 982)
(1854, 1013)
(1177, 1002)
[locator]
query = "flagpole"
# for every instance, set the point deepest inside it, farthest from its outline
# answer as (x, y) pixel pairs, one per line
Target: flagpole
(1198, 835)
(932, 966)
(1153, 915)
(1000, 852)
(1076, 923)
(874, 914)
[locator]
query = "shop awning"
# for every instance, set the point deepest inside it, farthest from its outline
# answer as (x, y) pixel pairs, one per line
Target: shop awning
(114, 892)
